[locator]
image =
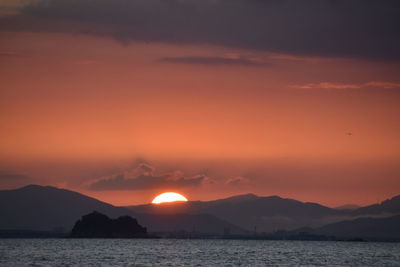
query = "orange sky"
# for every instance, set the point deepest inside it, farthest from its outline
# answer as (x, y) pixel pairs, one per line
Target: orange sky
(76, 109)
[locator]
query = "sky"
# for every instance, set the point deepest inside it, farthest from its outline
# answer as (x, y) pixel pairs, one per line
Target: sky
(125, 99)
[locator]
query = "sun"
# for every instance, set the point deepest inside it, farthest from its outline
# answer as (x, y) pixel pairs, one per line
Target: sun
(168, 197)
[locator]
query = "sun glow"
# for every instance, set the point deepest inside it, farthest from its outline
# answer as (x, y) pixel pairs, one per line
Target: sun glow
(168, 197)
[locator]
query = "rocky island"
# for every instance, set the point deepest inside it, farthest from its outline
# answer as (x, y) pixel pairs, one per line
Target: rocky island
(97, 225)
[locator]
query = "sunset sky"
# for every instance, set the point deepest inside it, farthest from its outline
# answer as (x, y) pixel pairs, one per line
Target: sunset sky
(125, 99)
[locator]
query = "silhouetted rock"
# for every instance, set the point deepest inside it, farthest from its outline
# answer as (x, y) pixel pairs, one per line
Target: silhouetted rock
(97, 225)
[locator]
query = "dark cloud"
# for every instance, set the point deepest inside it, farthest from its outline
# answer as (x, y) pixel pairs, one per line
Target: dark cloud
(146, 167)
(339, 28)
(213, 61)
(143, 182)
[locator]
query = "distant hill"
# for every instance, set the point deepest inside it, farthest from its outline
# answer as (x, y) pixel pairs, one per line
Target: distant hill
(250, 211)
(44, 208)
(389, 206)
(268, 214)
(237, 199)
(387, 228)
(348, 207)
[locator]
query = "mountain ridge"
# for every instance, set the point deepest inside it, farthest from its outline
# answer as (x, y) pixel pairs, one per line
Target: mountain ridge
(268, 213)
(36, 207)
(386, 228)
(46, 208)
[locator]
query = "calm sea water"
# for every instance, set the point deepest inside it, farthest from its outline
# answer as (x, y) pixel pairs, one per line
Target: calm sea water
(171, 252)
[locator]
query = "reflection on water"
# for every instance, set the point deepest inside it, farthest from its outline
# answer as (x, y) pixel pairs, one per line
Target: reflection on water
(171, 252)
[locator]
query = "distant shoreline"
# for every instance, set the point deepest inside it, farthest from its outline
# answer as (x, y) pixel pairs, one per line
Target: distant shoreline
(32, 234)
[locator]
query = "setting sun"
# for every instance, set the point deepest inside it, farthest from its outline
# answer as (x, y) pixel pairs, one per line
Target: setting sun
(168, 197)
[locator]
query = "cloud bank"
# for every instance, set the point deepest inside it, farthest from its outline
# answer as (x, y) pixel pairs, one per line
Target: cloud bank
(341, 28)
(143, 177)
(144, 182)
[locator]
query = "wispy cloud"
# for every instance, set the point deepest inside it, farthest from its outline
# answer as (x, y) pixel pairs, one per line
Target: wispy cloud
(202, 60)
(330, 85)
(387, 85)
(238, 180)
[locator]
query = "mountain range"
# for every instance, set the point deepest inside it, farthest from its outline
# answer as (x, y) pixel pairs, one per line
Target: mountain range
(44, 208)
(272, 213)
(386, 228)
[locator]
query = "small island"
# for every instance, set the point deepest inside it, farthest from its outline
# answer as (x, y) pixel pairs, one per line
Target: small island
(98, 225)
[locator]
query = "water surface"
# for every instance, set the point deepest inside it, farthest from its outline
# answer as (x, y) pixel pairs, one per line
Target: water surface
(178, 252)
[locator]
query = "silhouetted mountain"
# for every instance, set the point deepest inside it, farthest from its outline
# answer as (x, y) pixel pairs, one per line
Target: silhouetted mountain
(268, 214)
(389, 206)
(249, 211)
(348, 207)
(238, 198)
(97, 225)
(44, 208)
(36, 207)
(387, 228)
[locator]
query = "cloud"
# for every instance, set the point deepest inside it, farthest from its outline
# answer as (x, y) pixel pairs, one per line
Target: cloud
(341, 28)
(386, 85)
(201, 60)
(146, 168)
(329, 85)
(143, 182)
(237, 181)
(143, 176)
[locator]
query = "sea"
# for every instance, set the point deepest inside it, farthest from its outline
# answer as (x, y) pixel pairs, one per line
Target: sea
(194, 252)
